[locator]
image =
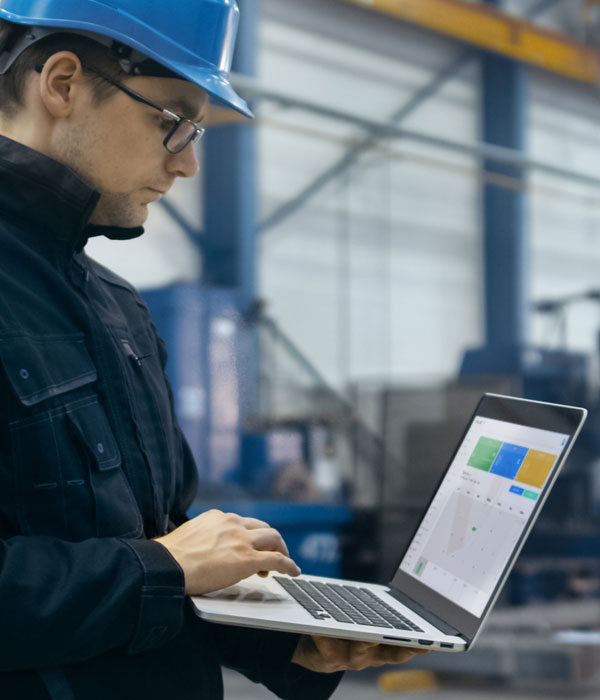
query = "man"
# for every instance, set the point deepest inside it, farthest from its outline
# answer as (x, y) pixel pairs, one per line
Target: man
(99, 107)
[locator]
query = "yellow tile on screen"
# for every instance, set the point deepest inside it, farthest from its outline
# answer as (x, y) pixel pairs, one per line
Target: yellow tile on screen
(535, 468)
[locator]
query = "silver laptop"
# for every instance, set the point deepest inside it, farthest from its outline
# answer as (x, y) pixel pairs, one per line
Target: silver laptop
(459, 557)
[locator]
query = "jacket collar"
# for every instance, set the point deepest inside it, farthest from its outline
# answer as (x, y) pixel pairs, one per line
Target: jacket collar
(54, 201)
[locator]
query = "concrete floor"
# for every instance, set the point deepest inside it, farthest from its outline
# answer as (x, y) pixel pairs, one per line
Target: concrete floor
(364, 686)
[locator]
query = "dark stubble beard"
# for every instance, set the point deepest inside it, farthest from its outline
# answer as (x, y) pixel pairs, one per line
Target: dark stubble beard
(112, 209)
(116, 210)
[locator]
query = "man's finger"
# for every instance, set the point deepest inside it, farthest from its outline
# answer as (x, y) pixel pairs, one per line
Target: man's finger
(276, 561)
(365, 646)
(334, 652)
(253, 523)
(360, 657)
(269, 539)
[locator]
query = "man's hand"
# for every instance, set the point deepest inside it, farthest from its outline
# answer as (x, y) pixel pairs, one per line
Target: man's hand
(218, 549)
(327, 655)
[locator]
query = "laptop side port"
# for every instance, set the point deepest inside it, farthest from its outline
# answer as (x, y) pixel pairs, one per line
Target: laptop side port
(426, 642)
(400, 639)
(446, 645)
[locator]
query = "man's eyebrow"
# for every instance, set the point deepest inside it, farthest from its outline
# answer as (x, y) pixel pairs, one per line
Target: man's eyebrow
(182, 107)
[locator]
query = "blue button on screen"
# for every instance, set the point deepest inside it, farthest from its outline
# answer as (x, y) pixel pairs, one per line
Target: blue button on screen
(516, 489)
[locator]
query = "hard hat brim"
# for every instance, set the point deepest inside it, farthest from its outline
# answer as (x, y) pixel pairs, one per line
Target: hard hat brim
(215, 84)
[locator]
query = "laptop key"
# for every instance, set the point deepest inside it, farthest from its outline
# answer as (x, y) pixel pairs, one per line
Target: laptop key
(366, 594)
(309, 593)
(360, 613)
(371, 601)
(376, 615)
(332, 604)
(315, 605)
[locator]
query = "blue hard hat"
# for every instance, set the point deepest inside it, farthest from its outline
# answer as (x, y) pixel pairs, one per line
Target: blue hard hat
(192, 38)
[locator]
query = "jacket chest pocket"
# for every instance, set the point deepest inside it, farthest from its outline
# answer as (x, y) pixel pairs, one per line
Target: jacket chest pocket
(67, 470)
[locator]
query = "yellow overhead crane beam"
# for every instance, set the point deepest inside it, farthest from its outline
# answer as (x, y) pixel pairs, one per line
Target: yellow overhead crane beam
(491, 29)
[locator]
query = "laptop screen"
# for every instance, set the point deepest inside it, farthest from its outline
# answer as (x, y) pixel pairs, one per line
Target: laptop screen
(481, 509)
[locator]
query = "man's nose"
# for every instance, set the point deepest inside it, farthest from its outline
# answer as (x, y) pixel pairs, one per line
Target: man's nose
(185, 163)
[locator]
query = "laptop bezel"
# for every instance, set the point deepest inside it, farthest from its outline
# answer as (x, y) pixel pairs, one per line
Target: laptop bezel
(537, 414)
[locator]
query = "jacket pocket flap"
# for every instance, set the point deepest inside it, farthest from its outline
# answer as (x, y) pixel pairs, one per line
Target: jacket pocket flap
(41, 366)
(92, 425)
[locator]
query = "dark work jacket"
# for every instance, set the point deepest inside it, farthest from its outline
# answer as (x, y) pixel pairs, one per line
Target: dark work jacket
(93, 466)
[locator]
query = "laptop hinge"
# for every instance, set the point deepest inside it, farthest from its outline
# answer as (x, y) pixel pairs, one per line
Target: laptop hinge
(426, 614)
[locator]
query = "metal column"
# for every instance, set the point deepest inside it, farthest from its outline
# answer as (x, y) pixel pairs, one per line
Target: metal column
(230, 185)
(230, 196)
(504, 240)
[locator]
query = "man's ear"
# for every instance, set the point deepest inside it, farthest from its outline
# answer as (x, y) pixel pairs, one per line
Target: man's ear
(60, 83)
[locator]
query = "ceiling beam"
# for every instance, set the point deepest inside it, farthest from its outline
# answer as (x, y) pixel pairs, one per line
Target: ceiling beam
(491, 29)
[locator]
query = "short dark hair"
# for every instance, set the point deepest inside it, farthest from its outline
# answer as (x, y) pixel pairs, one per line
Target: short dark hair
(91, 53)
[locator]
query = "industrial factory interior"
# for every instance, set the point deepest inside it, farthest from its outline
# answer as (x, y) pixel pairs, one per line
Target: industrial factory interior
(411, 221)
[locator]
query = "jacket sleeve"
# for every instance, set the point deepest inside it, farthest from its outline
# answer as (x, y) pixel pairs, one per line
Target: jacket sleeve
(62, 602)
(265, 657)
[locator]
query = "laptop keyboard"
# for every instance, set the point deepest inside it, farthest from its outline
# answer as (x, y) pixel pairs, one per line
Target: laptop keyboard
(349, 604)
